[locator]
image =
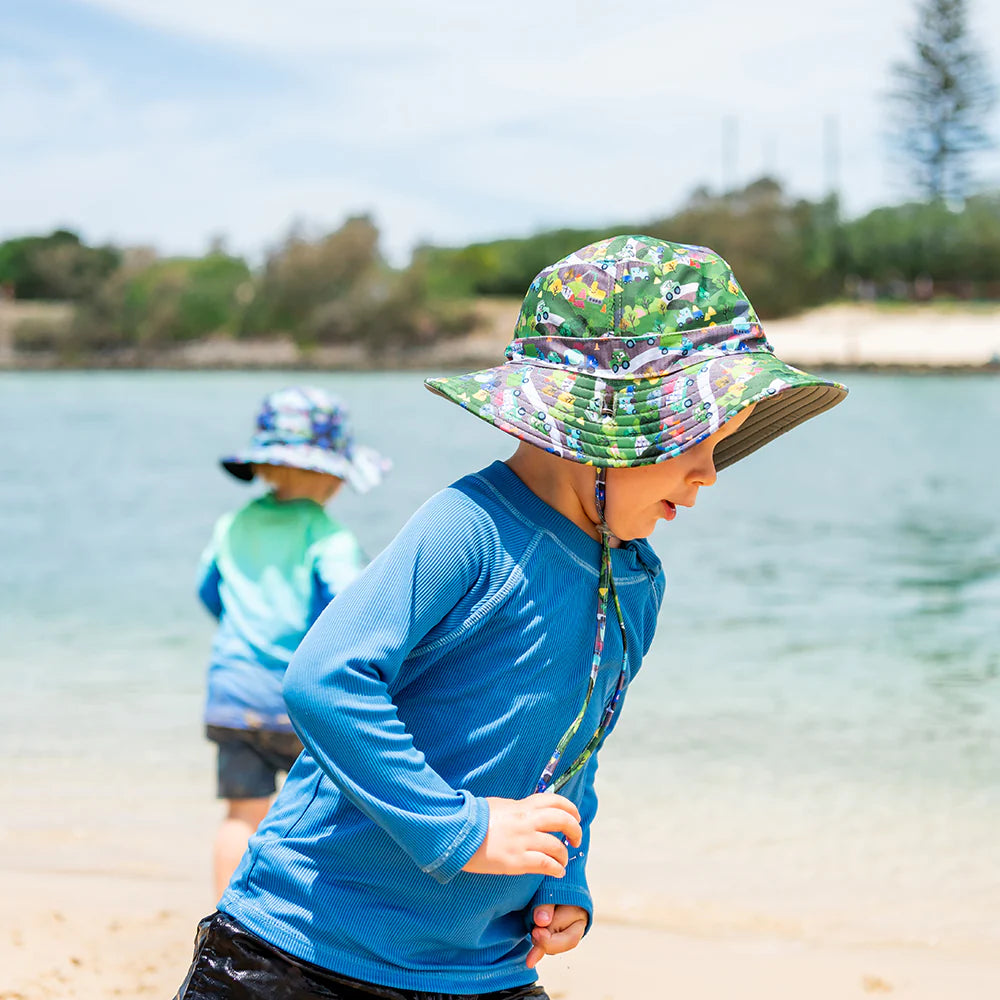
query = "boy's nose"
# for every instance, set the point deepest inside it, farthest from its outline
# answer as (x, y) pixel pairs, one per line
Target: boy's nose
(703, 474)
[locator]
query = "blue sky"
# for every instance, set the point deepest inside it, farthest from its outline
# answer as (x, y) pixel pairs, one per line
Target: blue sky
(167, 123)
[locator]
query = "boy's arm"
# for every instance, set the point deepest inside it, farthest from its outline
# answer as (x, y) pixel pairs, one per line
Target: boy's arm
(338, 684)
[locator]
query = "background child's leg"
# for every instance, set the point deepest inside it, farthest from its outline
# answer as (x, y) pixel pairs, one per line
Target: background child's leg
(243, 816)
(248, 768)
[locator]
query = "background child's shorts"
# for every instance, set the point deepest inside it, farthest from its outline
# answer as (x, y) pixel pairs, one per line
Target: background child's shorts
(230, 963)
(250, 759)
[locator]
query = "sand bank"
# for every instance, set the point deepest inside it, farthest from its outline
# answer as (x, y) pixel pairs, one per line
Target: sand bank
(844, 336)
(905, 337)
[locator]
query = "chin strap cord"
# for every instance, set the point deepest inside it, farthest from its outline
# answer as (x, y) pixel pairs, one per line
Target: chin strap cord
(605, 589)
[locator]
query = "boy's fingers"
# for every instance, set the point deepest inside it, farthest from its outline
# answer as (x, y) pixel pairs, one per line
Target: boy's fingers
(558, 821)
(553, 800)
(538, 863)
(545, 843)
(542, 916)
(555, 943)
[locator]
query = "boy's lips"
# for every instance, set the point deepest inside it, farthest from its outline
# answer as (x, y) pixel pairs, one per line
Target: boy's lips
(669, 510)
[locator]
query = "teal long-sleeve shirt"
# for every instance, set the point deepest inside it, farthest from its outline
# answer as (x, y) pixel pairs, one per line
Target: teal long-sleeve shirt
(446, 673)
(267, 573)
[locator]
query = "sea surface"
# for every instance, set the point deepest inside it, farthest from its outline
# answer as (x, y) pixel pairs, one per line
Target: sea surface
(812, 749)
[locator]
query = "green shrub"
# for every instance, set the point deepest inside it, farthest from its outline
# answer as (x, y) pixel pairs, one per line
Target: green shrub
(959, 250)
(57, 266)
(163, 302)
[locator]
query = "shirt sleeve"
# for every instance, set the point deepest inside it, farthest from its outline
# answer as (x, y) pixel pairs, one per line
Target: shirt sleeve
(337, 560)
(338, 685)
(208, 589)
(572, 888)
(209, 576)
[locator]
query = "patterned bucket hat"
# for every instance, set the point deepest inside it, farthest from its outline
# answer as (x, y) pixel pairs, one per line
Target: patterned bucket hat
(632, 350)
(306, 428)
(626, 353)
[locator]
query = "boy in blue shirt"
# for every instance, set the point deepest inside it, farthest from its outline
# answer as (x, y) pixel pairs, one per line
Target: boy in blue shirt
(432, 839)
(269, 570)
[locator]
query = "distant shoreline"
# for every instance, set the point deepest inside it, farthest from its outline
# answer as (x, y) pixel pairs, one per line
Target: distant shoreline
(915, 339)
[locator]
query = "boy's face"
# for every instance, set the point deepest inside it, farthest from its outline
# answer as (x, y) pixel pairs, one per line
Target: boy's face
(639, 497)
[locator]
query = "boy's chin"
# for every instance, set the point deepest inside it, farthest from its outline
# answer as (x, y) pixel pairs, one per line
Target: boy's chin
(634, 531)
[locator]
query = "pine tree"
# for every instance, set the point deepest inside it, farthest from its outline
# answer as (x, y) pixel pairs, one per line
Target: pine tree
(941, 101)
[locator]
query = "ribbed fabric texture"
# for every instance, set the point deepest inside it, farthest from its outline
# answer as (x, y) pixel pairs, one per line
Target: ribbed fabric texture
(445, 673)
(267, 573)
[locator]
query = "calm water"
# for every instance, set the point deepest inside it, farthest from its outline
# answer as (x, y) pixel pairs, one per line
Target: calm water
(812, 749)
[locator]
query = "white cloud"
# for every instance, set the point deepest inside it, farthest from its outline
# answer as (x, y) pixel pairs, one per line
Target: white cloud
(297, 27)
(37, 98)
(450, 121)
(162, 177)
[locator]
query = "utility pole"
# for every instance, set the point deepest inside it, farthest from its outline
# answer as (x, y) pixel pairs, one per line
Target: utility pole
(730, 152)
(769, 156)
(831, 156)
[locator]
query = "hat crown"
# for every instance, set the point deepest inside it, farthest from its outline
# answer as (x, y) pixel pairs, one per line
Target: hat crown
(303, 416)
(639, 297)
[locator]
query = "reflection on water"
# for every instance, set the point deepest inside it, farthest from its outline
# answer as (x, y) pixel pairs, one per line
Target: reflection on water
(812, 742)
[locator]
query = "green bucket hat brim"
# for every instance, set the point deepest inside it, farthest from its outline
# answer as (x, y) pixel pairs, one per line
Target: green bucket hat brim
(643, 419)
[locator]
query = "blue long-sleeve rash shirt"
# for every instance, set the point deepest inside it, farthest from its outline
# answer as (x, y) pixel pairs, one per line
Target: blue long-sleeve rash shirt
(446, 673)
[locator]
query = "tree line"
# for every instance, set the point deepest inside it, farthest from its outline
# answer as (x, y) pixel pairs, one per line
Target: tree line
(337, 288)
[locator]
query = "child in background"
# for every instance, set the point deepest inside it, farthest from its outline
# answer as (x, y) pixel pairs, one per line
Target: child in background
(268, 572)
(432, 840)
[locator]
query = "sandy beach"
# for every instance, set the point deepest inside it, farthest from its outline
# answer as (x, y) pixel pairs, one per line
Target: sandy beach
(87, 917)
(89, 936)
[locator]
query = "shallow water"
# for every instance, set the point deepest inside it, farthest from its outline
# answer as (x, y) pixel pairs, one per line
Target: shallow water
(812, 748)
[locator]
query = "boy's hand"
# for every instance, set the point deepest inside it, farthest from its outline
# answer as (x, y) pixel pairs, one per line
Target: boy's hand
(520, 838)
(557, 929)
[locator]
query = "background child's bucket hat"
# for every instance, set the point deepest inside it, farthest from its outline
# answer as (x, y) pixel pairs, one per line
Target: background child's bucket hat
(629, 352)
(632, 350)
(306, 428)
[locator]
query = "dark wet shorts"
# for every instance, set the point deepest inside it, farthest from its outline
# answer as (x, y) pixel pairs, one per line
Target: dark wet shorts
(230, 963)
(250, 759)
